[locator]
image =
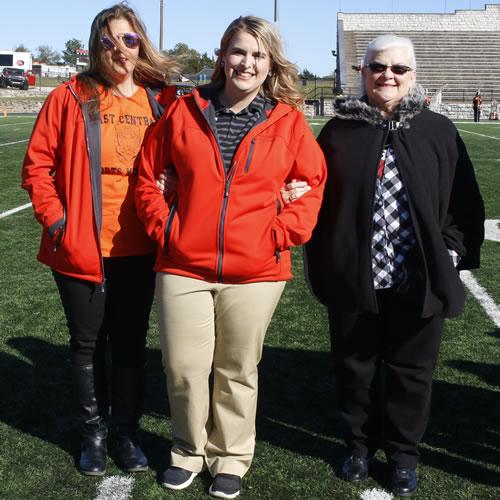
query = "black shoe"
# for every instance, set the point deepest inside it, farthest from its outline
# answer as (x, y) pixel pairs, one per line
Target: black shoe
(176, 478)
(225, 486)
(404, 481)
(94, 430)
(93, 457)
(130, 456)
(355, 469)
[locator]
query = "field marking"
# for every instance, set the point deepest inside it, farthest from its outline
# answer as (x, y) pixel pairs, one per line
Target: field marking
(492, 232)
(481, 295)
(492, 229)
(16, 142)
(14, 210)
(15, 123)
(115, 488)
(494, 123)
(375, 494)
(481, 135)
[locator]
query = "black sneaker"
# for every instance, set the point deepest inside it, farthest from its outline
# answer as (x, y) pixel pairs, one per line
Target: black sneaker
(225, 486)
(176, 478)
(404, 482)
(355, 469)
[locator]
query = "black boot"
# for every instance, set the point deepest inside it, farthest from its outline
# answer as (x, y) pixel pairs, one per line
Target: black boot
(94, 430)
(127, 394)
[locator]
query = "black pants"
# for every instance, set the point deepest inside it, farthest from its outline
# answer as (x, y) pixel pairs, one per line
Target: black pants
(119, 314)
(383, 366)
(477, 114)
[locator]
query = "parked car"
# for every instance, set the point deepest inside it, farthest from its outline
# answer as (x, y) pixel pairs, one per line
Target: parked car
(13, 77)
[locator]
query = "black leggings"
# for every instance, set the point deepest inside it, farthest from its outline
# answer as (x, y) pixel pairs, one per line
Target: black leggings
(119, 313)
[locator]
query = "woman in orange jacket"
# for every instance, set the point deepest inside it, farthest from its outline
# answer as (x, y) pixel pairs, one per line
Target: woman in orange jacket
(80, 171)
(224, 241)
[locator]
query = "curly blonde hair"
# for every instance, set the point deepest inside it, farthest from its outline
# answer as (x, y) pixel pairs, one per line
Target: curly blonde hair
(281, 84)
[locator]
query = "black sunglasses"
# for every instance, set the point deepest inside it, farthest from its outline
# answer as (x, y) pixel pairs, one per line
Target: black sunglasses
(130, 40)
(397, 69)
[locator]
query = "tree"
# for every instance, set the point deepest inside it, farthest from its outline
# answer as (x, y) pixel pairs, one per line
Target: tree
(190, 60)
(307, 75)
(47, 55)
(21, 48)
(69, 53)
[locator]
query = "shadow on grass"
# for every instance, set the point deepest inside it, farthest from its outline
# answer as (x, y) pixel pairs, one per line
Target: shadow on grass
(37, 397)
(496, 333)
(296, 408)
(297, 411)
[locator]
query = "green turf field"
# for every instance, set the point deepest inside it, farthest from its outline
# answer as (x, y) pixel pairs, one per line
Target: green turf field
(299, 448)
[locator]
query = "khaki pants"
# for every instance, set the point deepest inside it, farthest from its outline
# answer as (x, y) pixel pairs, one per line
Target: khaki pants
(213, 325)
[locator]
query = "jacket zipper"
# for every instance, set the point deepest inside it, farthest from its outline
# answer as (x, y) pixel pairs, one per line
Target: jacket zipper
(103, 279)
(277, 252)
(225, 202)
(249, 157)
(168, 226)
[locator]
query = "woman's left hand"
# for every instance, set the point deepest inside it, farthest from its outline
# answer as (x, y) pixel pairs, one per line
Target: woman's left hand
(167, 181)
(294, 190)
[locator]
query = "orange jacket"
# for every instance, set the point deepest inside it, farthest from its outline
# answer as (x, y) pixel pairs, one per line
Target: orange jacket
(62, 174)
(229, 228)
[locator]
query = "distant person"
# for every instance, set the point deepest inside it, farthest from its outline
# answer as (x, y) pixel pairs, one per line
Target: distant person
(401, 215)
(476, 105)
(224, 240)
(81, 171)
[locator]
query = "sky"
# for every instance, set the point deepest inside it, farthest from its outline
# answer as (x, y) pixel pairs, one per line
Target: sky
(308, 27)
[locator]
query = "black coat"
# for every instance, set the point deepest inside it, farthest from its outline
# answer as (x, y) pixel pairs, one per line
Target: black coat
(445, 206)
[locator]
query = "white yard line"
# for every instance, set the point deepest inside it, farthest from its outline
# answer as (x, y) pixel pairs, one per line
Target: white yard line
(492, 232)
(495, 123)
(375, 494)
(115, 488)
(15, 123)
(481, 295)
(16, 142)
(481, 135)
(14, 210)
(492, 229)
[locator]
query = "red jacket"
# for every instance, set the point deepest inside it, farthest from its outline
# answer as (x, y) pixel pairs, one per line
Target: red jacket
(62, 174)
(229, 228)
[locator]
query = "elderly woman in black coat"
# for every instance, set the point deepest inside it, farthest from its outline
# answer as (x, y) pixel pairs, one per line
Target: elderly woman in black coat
(401, 215)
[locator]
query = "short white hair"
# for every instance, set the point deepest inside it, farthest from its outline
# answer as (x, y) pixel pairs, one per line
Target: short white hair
(384, 42)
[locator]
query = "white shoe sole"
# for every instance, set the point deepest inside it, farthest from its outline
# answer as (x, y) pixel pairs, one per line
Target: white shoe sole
(181, 486)
(221, 494)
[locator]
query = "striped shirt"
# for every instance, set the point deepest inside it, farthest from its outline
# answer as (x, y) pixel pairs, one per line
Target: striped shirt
(233, 127)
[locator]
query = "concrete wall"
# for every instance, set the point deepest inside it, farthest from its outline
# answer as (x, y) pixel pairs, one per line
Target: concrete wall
(462, 20)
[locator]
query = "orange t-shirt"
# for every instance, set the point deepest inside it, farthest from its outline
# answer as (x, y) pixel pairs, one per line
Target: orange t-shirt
(123, 123)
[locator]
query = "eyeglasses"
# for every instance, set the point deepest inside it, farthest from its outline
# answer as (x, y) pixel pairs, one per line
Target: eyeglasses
(397, 69)
(130, 40)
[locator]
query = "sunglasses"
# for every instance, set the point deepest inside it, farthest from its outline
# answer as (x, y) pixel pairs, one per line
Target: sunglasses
(130, 40)
(397, 69)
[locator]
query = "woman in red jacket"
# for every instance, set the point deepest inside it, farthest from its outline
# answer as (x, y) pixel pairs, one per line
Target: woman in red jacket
(80, 171)
(225, 239)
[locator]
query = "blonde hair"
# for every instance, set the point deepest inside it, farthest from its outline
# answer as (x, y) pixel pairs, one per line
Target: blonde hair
(152, 68)
(281, 84)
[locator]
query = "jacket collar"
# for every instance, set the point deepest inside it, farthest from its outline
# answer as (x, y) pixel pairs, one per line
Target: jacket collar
(203, 95)
(355, 108)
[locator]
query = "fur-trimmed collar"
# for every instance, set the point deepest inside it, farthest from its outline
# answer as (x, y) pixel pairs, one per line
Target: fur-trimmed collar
(355, 108)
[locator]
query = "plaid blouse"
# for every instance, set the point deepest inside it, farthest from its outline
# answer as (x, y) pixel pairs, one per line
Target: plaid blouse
(393, 233)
